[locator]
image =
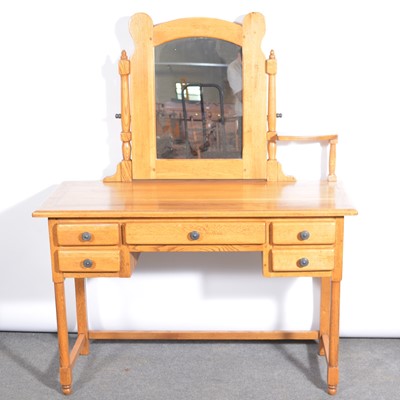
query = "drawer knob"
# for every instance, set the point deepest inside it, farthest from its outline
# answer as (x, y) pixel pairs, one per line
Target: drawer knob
(194, 235)
(304, 235)
(303, 262)
(87, 263)
(86, 236)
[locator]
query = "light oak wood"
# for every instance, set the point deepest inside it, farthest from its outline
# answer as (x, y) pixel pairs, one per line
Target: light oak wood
(81, 315)
(99, 260)
(320, 232)
(139, 159)
(96, 234)
(192, 27)
(274, 168)
(331, 139)
(124, 168)
(63, 341)
(196, 248)
(99, 229)
(132, 217)
(144, 161)
(76, 350)
(325, 298)
(209, 232)
(288, 259)
(333, 355)
(204, 335)
(196, 198)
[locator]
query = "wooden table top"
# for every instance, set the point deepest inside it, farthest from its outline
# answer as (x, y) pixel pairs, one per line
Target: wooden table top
(196, 198)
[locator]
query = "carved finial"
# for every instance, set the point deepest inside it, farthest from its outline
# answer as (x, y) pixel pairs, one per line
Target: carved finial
(123, 55)
(272, 55)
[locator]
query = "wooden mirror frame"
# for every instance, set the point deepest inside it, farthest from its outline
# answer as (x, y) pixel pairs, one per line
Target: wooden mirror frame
(138, 111)
(138, 105)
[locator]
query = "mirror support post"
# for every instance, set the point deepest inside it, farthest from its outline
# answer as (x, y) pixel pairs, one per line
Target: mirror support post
(124, 168)
(274, 168)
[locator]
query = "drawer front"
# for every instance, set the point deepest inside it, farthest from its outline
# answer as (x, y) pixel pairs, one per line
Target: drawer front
(87, 234)
(89, 261)
(304, 232)
(195, 233)
(289, 260)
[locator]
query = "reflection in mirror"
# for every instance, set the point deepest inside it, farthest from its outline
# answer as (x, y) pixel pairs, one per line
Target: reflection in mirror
(198, 99)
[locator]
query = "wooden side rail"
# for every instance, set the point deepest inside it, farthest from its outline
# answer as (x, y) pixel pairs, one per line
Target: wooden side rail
(331, 139)
(274, 169)
(204, 335)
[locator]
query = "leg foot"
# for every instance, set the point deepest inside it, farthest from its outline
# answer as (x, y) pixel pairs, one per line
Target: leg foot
(332, 389)
(66, 389)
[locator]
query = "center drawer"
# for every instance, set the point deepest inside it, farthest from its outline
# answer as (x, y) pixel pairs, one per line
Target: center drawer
(160, 232)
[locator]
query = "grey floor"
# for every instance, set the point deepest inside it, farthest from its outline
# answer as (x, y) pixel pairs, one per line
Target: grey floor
(369, 369)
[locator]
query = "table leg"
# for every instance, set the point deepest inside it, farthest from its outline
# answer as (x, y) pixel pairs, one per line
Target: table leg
(325, 308)
(81, 313)
(333, 367)
(63, 342)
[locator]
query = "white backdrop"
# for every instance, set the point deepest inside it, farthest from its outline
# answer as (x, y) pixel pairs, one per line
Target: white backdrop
(338, 72)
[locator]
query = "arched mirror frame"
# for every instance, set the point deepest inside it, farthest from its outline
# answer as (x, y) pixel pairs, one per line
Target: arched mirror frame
(138, 106)
(146, 36)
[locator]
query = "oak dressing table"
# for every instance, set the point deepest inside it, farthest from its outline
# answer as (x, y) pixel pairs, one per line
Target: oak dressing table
(198, 173)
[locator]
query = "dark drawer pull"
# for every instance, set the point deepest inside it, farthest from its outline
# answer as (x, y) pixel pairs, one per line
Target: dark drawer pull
(86, 236)
(303, 262)
(304, 235)
(87, 263)
(194, 235)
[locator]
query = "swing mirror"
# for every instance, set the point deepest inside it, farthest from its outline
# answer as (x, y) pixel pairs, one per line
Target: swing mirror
(198, 99)
(198, 86)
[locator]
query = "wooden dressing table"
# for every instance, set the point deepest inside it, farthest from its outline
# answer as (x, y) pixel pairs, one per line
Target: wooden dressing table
(183, 185)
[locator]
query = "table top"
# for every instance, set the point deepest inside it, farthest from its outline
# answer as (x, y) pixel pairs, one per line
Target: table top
(196, 198)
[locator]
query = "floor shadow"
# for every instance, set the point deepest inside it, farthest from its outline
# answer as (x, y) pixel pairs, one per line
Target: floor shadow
(312, 372)
(48, 376)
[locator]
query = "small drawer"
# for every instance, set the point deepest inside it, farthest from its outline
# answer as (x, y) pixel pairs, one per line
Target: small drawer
(154, 232)
(89, 261)
(289, 260)
(304, 232)
(87, 234)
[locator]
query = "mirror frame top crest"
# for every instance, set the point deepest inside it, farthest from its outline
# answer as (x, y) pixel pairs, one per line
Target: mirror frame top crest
(142, 98)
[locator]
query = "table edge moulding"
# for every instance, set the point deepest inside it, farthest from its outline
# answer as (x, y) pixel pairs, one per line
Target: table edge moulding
(202, 202)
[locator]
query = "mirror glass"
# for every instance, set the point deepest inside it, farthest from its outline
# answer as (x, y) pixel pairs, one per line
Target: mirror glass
(198, 99)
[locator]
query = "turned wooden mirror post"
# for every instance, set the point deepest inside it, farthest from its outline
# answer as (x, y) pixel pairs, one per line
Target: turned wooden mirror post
(124, 169)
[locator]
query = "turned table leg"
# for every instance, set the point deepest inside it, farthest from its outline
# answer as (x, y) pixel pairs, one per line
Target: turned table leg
(333, 367)
(63, 344)
(325, 311)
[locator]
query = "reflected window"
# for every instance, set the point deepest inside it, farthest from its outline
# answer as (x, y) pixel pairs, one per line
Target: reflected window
(191, 93)
(198, 99)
